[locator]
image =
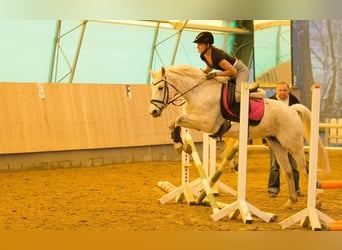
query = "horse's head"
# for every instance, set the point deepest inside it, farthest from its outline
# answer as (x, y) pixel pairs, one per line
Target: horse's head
(160, 92)
(172, 83)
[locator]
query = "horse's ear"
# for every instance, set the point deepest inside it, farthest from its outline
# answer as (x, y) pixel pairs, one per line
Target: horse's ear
(163, 71)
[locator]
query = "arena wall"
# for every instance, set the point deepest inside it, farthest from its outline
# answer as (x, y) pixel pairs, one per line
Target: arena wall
(49, 124)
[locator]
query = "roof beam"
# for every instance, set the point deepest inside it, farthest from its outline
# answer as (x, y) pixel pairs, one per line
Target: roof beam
(269, 24)
(192, 26)
(176, 25)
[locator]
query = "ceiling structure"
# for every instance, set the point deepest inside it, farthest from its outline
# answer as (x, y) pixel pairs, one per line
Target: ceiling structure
(106, 51)
(178, 26)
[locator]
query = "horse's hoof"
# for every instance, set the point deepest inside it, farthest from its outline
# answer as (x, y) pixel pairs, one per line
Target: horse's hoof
(289, 204)
(178, 147)
(305, 171)
(198, 203)
(233, 167)
(274, 218)
(187, 149)
(193, 203)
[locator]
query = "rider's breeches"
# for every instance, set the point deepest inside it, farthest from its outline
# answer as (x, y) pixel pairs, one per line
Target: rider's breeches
(242, 75)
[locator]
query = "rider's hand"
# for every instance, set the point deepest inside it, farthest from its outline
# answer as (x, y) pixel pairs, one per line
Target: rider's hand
(211, 76)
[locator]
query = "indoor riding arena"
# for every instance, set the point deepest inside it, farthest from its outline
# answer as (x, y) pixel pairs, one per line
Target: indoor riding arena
(79, 150)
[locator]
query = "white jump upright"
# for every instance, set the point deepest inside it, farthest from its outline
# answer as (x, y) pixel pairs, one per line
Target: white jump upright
(202, 173)
(187, 189)
(208, 155)
(311, 215)
(209, 164)
(241, 205)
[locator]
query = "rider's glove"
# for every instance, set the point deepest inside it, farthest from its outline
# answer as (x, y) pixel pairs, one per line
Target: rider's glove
(211, 76)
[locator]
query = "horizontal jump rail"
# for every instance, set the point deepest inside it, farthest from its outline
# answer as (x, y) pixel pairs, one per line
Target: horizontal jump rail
(306, 148)
(329, 184)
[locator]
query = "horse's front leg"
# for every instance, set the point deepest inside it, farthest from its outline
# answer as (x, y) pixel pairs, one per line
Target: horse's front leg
(201, 122)
(176, 136)
(185, 121)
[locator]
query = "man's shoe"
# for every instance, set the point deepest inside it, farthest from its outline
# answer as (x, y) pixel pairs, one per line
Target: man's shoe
(299, 194)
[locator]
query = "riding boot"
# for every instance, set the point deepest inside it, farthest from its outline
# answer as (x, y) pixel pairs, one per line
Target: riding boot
(225, 126)
(235, 107)
(231, 94)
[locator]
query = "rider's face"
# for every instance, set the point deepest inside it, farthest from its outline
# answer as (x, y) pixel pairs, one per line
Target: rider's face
(201, 47)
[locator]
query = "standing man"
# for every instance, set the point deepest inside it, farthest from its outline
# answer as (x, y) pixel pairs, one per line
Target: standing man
(283, 95)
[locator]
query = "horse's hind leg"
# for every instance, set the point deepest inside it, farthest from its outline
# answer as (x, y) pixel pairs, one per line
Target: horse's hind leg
(283, 160)
(299, 156)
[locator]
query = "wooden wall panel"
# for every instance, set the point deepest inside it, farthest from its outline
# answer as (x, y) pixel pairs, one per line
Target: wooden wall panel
(22, 123)
(79, 116)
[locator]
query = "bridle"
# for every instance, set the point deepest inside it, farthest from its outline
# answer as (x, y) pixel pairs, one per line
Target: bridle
(161, 104)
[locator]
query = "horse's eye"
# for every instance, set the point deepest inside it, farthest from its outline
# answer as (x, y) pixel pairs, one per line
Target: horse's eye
(160, 88)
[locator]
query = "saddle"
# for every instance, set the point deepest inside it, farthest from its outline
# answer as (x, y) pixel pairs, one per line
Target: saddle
(230, 109)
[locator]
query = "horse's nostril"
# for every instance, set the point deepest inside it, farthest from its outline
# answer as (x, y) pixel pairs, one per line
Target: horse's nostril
(154, 113)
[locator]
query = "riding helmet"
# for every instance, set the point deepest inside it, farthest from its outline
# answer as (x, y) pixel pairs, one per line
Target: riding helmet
(204, 37)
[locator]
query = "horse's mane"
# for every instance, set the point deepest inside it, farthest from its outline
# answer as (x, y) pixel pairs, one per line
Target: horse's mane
(192, 71)
(183, 69)
(186, 69)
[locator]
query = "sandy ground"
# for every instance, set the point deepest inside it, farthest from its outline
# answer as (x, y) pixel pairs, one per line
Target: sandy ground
(124, 197)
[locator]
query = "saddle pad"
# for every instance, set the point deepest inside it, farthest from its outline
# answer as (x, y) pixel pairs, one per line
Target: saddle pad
(256, 108)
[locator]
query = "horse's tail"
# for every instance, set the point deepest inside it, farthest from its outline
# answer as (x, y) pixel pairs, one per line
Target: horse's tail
(305, 116)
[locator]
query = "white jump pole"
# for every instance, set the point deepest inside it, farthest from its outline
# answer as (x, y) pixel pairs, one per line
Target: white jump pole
(311, 215)
(241, 205)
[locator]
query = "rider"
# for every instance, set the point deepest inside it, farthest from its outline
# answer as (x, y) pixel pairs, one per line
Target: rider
(218, 59)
